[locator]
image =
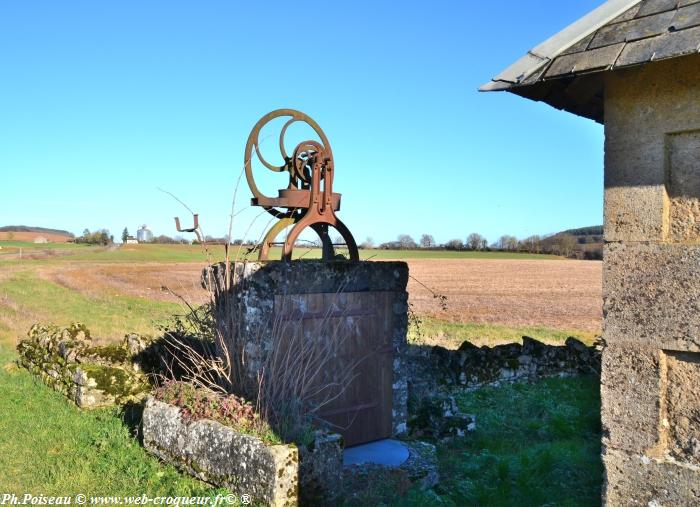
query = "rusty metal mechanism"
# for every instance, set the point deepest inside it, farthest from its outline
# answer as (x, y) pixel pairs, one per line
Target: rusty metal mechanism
(308, 200)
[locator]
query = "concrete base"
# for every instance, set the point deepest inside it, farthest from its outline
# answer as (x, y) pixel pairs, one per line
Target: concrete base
(387, 452)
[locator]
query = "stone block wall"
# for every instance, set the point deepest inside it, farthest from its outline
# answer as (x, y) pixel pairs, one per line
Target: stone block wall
(651, 289)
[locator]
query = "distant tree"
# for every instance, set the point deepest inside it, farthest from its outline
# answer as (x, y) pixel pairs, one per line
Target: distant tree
(506, 242)
(101, 237)
(564, 244)
(367, 243)
(406, 242)
(163, 240)
(237, 241)
(427, 241)
(125, 235)
(532, 244)
(454, 244)
(475, 241)
(104, 238)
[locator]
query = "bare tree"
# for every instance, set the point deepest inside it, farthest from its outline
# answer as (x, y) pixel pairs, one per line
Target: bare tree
(427, 241)
(532, 244)
(475, 241)
(405, 241)
(564, 244)
(506, 242)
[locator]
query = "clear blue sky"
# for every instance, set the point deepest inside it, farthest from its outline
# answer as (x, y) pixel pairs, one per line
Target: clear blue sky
(101, 103)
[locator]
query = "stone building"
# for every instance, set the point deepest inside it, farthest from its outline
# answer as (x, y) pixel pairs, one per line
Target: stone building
(634, 66)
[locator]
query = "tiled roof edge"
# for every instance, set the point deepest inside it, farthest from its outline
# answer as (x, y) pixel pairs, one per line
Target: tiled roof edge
(545, 52)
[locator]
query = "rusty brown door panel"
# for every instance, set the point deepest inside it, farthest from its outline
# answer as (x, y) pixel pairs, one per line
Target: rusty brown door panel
(357, 327)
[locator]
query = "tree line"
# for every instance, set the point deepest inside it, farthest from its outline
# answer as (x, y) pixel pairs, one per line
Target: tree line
(563, 244)
(99, 237)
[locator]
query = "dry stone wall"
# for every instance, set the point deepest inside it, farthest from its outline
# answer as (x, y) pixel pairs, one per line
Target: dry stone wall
(432, 368)
(67, 360)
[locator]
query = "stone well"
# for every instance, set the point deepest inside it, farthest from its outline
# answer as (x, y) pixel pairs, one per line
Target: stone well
(273, 306)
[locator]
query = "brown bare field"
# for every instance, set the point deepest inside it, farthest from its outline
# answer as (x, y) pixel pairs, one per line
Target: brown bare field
(150, 280)
(31, 236)
(559, 294)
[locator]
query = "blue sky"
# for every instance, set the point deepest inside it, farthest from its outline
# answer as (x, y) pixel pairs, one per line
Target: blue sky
(102, 103)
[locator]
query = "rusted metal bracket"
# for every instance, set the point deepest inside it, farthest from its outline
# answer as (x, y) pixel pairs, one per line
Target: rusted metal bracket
(308, 200)
(194, 228)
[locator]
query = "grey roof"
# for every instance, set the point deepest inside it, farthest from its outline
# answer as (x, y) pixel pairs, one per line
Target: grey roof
(620, 33)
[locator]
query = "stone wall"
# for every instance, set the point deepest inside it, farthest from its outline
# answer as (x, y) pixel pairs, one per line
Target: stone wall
(92, 376)
(651, 286)
(269, 473)
(432, 368)
(435, 371)
(246, 313)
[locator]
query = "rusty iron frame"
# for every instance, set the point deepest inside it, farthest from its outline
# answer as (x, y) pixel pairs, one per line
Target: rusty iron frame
(308, 200)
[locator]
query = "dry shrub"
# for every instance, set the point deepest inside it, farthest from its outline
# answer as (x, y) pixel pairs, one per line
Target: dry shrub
(297, 377)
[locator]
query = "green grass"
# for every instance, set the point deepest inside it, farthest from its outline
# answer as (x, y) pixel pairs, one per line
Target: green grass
(450, 254)
(196, 253)
(452, 334)
(48, 446)
(24, 295)
(535, 444)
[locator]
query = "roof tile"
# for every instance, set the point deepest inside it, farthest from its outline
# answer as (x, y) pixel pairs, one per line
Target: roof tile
(653, 6)
(686, 17)
(595, 59)
(633, 30)
(581, 45)
(627, 15)
(660, 47)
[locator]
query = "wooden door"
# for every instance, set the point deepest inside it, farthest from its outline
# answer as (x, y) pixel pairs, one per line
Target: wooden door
(351, 337)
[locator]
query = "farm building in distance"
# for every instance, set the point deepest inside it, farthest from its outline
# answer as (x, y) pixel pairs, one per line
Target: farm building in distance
(34, 234)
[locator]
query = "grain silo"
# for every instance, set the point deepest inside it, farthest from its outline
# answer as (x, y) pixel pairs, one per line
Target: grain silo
(144, 234)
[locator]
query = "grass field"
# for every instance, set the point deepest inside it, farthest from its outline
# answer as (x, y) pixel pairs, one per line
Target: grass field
(532, 443)
(198, 253)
